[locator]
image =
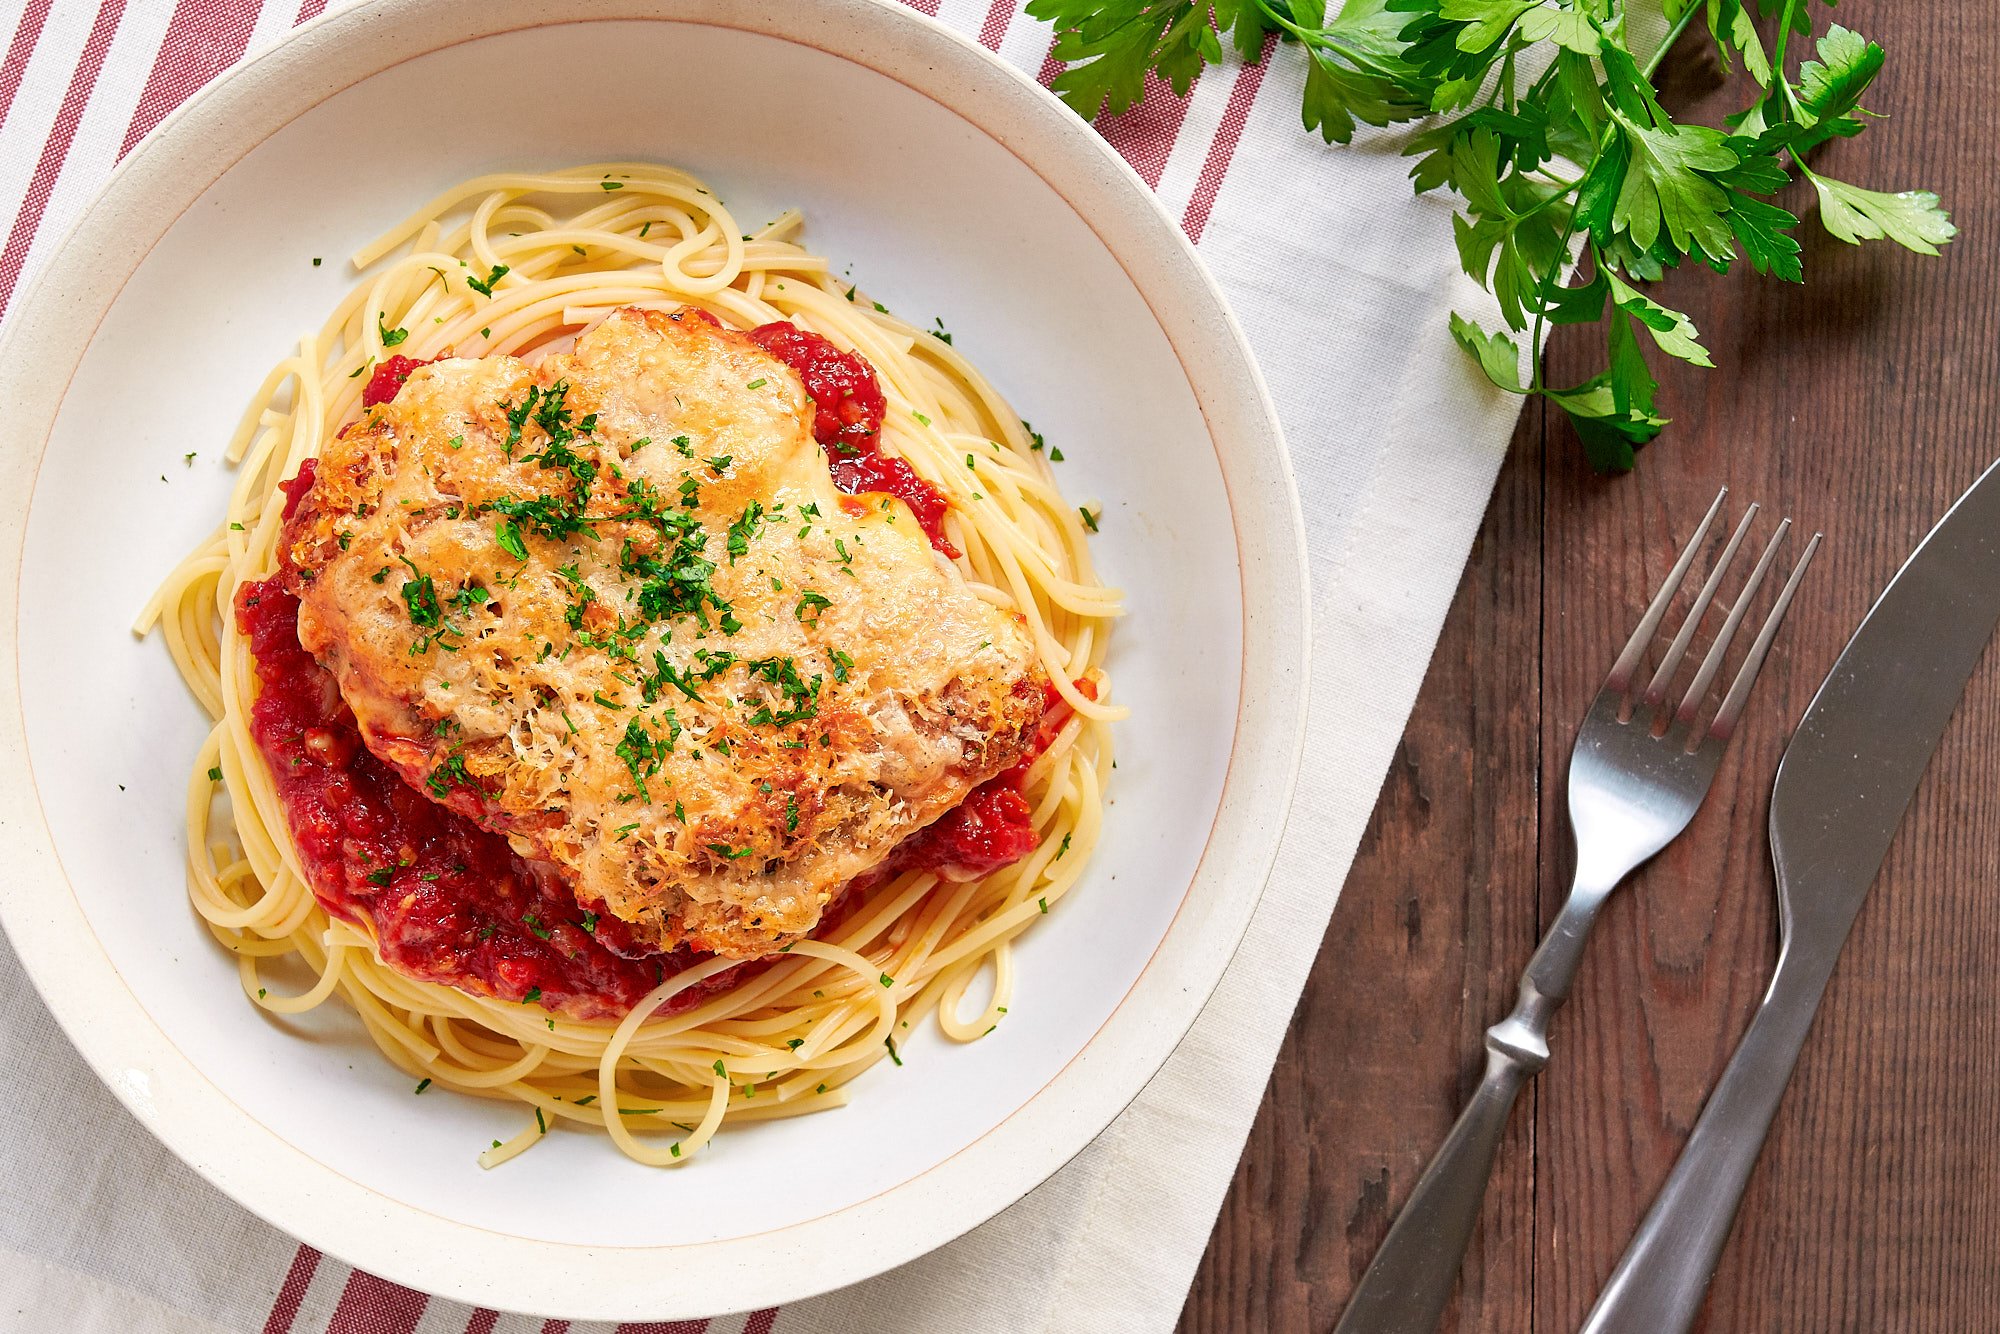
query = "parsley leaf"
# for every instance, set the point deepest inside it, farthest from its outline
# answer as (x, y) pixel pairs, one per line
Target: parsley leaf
(1910, 218)
(1559, 152)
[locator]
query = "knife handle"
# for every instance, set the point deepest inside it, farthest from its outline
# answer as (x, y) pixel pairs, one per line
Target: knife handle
(1662, 1279)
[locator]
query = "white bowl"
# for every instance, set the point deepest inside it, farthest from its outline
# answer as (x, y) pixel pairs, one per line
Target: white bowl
(956, 188)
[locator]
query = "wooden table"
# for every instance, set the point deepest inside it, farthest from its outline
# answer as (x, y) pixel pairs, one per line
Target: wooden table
(1862, 403)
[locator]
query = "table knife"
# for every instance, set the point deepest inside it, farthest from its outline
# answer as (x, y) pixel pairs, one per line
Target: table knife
(1842, 788)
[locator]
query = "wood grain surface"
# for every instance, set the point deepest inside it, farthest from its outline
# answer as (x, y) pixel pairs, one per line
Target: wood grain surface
(1861, 403)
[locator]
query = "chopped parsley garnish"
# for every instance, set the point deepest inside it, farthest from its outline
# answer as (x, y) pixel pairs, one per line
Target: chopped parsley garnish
(757, 383)
(423, 1084)
(534, 994)
(801, 697)
(469, 598)
(815, 603)
(939, 332)
(449, 775)
(744, 530)
(1055, 456)
(663, 676)
(724, 850)
(484, 286)
(380, 875)
(611, 185)
(390, 337)
(1089, 519)
(508, 534)
(517, 419)
(534, 924)
(890, 1043)
(590, 925)
(714, 662)
(215, 773)
(842, 665)
(1062, 849)
(421, 599)
(643, 754)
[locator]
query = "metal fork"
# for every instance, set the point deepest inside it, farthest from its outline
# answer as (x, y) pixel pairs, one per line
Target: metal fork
(1638, 772)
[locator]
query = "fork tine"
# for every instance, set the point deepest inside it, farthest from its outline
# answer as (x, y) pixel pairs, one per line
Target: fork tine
(1656, 689)
(1649, 624)
(1698, 689)
(1753, 662)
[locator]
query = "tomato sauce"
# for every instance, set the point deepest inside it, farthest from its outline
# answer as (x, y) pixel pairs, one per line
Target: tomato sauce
(449, 902)
(388, 378)
(847, 419)
(992, 827)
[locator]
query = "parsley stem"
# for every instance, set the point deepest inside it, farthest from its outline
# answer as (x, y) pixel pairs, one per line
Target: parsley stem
(1778, 52)
(1553, 277)
(1316, 40)
(1674, 35)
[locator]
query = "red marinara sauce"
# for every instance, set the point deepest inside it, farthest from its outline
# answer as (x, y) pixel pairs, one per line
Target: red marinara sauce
(388, 378)
(847, 420)
(449, 902)
(993, 826)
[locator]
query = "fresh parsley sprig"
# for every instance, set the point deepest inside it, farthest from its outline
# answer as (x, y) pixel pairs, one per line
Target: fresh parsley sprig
(1549, 130)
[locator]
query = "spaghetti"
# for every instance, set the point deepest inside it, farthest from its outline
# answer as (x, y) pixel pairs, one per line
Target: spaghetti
(518, 264)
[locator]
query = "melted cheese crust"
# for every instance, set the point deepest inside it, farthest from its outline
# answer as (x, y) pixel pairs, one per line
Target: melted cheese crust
(841, 689)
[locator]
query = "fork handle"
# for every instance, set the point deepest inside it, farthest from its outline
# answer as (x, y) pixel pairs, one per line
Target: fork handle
(1662, 1280)
(1409, 1282)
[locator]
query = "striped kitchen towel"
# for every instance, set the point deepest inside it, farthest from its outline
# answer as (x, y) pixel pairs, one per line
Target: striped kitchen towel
(1342, 280)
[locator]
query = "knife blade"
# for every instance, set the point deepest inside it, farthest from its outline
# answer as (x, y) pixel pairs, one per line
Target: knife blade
(1869, 733)
(1846, 779)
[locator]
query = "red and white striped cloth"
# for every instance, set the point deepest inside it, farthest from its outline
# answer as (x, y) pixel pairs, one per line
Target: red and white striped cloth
(1342, 281)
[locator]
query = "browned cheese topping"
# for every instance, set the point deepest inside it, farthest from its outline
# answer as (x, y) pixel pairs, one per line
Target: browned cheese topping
(613, 606)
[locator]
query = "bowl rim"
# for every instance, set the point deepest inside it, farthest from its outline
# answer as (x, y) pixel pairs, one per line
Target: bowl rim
(52, 326)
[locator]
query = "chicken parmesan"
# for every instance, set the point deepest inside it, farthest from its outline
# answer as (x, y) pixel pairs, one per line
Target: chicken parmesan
(613, 606)
(647, 674)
